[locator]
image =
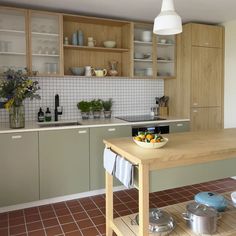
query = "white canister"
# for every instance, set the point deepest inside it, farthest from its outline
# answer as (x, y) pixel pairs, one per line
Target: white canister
(146, 36)
(149, 71)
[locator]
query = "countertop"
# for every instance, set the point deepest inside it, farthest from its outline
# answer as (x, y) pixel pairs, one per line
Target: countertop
(34, 126)
(182, 149)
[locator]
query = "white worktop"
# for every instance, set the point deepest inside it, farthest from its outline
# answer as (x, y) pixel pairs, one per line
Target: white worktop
(34, 126)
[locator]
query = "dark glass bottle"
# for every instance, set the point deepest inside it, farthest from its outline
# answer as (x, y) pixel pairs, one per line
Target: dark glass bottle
(40, 115)
(48, 115)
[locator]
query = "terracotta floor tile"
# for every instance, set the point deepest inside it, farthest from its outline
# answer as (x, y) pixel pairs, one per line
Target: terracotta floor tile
(74, 233)
(90, 206)
(37, 233)
(4, 232)
(72, 203)
(59, 205)
(62, 212)
(120, 207)
(101, 229)
(15, 214)
(50, 222)
(69, 227)
(65, 219)
(32, 218)
(85, 223)
(31, 211)
(94, 212)
(47, 215)
(34, 226)
(17, 221)
(4, 216)
(90, 231)
(45, 208)
(3, 224)
(17, 229)
(52, 231)
(98, 198)
(80, 216)
(99, 220)
(76, 209)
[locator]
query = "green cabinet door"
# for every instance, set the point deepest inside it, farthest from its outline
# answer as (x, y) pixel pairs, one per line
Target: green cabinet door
(64, 162)
(19, 177)
(182, 126)
(97, 172)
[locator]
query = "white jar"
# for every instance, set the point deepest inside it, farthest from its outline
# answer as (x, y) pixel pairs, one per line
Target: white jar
(146, 36)
(149, 71)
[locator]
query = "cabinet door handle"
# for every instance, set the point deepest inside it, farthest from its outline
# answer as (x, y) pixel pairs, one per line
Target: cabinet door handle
(82, 131)
(16, 137)
(112, 129)
(180, 125)
(195, 111)
(195, 103)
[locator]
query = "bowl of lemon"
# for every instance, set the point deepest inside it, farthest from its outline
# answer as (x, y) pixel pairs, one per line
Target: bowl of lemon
(149, 140)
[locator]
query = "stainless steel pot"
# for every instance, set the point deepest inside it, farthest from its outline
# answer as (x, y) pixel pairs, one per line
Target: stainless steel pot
(160, 222)
(201, 219)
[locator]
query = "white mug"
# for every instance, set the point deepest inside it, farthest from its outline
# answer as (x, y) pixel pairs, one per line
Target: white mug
(89, 71)
(147, 36)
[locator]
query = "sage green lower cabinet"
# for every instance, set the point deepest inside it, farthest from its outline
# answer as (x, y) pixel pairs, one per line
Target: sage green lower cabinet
(182, 126)
(64, 162)
(97, 173)
(19, 176)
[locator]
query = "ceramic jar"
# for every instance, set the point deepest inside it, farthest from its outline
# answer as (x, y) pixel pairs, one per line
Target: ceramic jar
(146, 36)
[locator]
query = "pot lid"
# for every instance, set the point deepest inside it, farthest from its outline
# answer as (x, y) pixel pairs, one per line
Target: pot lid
(159, 221)
(201, 210)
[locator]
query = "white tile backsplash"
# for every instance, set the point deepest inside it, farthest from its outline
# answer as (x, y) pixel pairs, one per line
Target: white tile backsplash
(130, 96)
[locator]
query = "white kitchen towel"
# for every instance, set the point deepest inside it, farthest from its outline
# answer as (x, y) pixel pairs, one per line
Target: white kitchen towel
(109, 160)
(124, 171)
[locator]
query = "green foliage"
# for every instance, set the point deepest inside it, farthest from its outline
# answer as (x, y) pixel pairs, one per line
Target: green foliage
(107, 104)
(84, 106)
(96, 105)
(15, 87)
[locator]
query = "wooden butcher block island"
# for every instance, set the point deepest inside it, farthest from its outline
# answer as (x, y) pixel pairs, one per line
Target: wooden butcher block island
(187, 158)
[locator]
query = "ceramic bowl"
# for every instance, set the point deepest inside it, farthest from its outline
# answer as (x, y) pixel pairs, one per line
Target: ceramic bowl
(77, 70)
(138, 55)
(109, 44)
(151, 145)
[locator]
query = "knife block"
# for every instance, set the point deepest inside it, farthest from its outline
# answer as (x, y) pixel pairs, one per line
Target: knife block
(163, 111)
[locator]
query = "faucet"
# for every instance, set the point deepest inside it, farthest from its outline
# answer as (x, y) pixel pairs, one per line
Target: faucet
(58, 108)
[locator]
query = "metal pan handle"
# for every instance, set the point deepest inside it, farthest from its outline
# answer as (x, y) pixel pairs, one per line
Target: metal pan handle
(185, 216)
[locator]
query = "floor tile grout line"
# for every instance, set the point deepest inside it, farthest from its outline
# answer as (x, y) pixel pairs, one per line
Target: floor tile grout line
(57, 220)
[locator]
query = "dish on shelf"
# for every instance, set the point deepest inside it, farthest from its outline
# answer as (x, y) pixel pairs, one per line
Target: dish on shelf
(109, 44)
(139, 55)
(139, 72)
(77, 70)
(149, 140)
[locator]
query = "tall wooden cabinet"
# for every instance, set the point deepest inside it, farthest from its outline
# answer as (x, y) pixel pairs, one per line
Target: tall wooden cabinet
(198, 91)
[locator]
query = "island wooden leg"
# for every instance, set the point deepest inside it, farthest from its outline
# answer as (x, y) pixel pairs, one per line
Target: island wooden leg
(109, 203)
(143, 200)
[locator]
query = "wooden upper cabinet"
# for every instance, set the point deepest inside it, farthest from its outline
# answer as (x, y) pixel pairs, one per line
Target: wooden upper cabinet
(206, 83)
(207, 35)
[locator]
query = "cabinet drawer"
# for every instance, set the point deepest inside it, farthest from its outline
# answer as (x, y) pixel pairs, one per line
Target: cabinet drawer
(182, 126)
(207, 35)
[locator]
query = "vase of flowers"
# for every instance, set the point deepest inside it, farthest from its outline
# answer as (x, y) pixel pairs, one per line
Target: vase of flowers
(15, 87)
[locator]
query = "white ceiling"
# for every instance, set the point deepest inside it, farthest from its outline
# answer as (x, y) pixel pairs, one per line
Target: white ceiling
(209, 11)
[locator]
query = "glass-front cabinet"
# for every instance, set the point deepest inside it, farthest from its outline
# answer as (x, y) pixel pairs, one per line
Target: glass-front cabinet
(13, 39)
(45, 43)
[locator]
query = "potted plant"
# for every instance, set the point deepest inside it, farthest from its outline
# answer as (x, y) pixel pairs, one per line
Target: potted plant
(84, 107)
(107, 108)
(96, 107)
(15, 87)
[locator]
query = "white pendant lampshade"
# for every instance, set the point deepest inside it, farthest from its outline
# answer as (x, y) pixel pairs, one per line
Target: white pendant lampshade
(168, 22)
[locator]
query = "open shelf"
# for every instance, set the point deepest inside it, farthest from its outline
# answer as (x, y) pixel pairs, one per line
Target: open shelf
(96, 48)
(165, 61)
(142, 42)
(142, 60)
(13, 53)
(45, 55)
(12, 31)
(44, 34)
(165, 44)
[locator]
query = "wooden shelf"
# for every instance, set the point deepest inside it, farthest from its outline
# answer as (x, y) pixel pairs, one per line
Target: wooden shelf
(96, 48)
(142, 60)
(13, 53)
(165, 61)
(45, 55)
(165, 77)
(12, 31)
(44, 34)
(143, 43)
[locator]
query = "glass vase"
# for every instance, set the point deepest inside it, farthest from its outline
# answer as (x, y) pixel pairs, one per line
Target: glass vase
(17, 117)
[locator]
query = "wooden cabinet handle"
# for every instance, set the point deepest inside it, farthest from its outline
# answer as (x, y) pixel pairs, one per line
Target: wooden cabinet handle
(195, 111)
(180, 125)
(16, 137)
(195, 103)
(82, 131)
(112, 129)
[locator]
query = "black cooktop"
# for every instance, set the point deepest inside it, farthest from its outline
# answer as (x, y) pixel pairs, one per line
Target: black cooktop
(140, 118)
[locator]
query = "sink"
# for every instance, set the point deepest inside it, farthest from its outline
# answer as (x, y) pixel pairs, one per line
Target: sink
(58, 123)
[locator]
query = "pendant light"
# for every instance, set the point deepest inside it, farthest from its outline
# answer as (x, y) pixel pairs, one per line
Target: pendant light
(168, 22)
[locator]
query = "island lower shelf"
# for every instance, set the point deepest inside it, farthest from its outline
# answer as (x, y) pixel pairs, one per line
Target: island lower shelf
(226, 225)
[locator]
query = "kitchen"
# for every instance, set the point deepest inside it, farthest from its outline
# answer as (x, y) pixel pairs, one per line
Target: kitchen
(52, 183)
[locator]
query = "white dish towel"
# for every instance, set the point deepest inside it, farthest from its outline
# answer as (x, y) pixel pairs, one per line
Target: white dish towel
(124, 171)
(109, 160)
